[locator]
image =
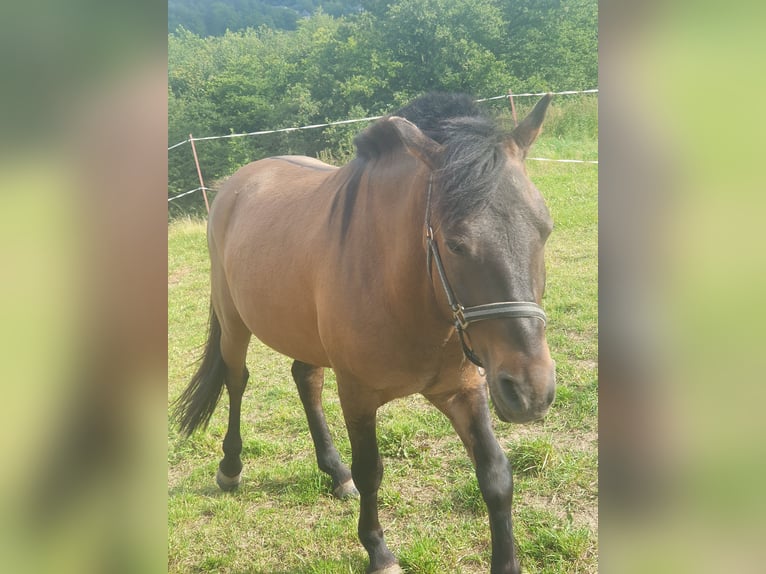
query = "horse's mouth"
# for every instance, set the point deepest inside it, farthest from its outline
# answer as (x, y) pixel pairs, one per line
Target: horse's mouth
(512, 407)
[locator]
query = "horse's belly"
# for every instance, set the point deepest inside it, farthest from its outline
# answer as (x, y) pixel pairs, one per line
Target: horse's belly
(274, 298)
(291, 334)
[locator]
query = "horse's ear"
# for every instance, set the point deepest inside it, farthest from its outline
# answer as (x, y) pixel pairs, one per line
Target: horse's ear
(416, 142)
(527, 131)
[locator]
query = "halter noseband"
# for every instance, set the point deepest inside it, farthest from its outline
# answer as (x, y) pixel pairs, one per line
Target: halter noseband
(464, 316)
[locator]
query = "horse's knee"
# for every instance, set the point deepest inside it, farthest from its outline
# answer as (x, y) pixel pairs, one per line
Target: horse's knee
(496, 482)
(367, 474)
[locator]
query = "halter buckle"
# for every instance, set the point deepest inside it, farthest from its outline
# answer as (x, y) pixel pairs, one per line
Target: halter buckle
(460, 320)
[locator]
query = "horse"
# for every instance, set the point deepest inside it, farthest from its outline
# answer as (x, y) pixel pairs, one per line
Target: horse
(402, 271)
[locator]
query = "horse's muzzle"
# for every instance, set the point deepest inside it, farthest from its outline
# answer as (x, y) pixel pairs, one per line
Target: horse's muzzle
(523, 399)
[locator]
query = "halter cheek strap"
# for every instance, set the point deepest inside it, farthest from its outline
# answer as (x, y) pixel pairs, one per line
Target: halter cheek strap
(464, 316)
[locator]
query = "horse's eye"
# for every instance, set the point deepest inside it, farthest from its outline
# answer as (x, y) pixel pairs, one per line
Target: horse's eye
(457, 247)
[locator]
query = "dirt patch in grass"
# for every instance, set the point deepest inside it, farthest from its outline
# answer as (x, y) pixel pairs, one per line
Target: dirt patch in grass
(178, 472)
(177, 276)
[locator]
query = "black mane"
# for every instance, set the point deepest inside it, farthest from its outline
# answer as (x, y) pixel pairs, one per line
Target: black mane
(471, 162)
(472, 150)
(429, 112)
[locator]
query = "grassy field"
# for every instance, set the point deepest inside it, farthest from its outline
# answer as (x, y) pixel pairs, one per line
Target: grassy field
(282, 519)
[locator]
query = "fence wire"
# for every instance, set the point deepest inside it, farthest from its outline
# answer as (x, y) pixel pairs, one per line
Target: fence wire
(371, 118)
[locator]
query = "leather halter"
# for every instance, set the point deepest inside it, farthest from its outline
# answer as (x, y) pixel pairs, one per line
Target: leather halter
(464, 316)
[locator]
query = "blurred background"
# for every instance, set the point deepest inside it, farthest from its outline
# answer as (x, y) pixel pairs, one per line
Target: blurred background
(83, 138)
(83, 295)
(681, 277)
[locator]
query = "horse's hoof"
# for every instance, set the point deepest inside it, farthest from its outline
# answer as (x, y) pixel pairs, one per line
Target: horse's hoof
(393, 569)
(227, 483)
(346, 490)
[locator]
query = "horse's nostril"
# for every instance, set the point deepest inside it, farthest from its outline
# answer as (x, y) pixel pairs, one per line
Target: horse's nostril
(510, 389)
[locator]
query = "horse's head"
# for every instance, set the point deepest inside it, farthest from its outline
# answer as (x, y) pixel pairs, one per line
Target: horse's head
(490, 225)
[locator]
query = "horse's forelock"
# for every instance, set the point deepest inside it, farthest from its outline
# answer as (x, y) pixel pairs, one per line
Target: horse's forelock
(471, 171)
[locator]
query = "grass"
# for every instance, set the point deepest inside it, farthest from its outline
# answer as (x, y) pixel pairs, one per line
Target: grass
(282, 519)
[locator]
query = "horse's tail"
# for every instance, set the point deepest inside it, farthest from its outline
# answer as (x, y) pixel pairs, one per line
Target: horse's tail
(196, 404)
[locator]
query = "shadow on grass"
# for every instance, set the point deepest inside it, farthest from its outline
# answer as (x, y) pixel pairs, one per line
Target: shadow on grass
(302, 487)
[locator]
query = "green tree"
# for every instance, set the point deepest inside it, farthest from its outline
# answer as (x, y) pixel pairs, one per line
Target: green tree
(443, 45)
(553, 44)
(365, 63)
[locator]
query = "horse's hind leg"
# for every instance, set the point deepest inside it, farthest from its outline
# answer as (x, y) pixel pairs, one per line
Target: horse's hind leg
(310, 381)
(235, 338)
(359, 412)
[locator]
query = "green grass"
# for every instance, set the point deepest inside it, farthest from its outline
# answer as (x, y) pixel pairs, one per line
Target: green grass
(282, 519)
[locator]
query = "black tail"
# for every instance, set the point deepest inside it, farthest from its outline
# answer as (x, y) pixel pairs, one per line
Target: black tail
(196, 404)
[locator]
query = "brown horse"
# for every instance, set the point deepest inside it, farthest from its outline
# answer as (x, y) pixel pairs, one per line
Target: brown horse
(423, 252)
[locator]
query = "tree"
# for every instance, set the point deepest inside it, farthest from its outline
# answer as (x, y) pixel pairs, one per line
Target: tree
(553, 44)
(368, 62)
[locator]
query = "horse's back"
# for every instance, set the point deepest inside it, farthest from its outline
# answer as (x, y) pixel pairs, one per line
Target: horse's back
(261, 226)
(271, 179)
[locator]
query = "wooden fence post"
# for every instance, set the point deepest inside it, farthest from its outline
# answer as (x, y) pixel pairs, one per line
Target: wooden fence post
(513, 108)
(199, 173)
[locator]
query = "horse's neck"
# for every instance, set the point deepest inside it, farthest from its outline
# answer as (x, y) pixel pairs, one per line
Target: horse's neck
(398, 218)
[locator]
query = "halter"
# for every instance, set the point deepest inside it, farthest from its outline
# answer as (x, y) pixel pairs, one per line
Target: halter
(464, 316)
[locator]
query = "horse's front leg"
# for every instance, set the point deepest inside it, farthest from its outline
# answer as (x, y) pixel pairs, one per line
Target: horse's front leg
(367, 472)
(469, 414)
